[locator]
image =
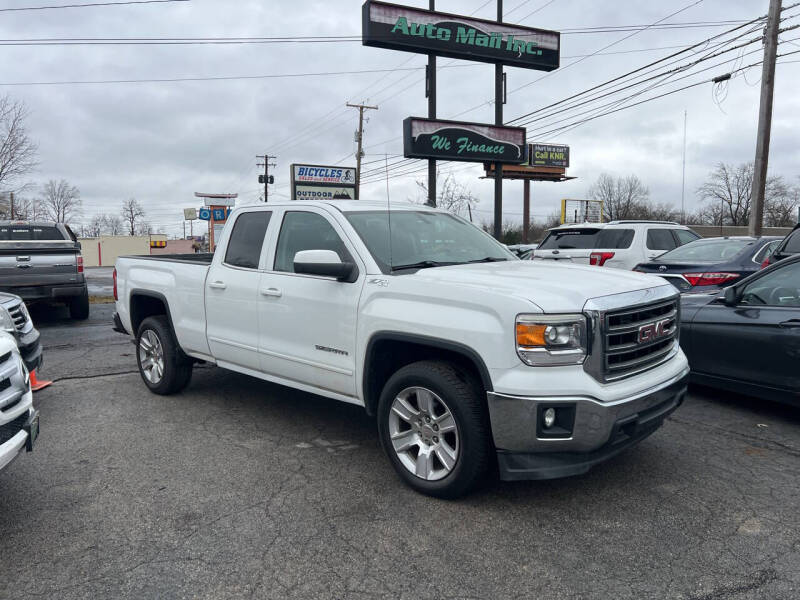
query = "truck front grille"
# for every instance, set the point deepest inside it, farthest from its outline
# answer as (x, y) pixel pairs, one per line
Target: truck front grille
(637, 339)
(12, 428)
(19, 315)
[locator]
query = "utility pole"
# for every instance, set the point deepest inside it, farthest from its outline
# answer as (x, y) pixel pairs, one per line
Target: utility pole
(360, 139)
(683, 174)
(12, 206)
(526, 210)
(498, 120)
(765, 117)
(430, 92)
(265, 177)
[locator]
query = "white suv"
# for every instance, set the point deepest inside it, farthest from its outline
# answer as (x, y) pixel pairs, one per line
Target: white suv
(618, 244)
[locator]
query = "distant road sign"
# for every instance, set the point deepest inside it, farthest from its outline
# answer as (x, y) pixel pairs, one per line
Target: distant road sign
(204, 214)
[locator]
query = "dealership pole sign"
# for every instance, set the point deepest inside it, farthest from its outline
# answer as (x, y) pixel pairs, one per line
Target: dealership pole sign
(320, 182)
(397, 27)
(462, 141)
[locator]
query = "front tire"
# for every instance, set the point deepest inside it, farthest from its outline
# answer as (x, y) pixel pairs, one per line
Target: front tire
(164, 368)
(433, 425)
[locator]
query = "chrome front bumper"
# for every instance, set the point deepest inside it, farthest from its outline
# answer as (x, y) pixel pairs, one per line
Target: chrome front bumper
(599, 431)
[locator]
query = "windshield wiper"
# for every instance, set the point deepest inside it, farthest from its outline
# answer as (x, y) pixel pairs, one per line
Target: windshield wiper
(487, 259)
(423, 264)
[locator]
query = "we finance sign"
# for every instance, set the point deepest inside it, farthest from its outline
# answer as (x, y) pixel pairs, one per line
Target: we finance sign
(458, 140)
(414, 30)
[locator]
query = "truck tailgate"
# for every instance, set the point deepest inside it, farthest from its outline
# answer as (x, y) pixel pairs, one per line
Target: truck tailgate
(22, 266)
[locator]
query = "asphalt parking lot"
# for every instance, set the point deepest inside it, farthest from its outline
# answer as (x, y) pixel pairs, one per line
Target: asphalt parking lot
(240, 488)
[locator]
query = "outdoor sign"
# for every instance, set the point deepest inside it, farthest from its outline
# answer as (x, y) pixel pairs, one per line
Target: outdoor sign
(204, 214)
(321, 182)
(219, 214)
(316, 192)
(190, 214)
(548, 155)
(398, 27)
(458, 140)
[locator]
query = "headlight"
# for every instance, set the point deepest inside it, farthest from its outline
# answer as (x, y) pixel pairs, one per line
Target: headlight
(26, 376)
(549, 340)
(6, 322)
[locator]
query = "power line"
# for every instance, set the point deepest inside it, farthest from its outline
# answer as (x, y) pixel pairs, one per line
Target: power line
(90, 5)
(136, 41)
(216, 78)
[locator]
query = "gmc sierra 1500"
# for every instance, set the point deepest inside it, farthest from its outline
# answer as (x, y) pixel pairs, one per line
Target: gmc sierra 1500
(464, 354)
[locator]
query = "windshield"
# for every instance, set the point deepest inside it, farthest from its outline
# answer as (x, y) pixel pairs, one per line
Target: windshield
(706, 250)
(423, 237)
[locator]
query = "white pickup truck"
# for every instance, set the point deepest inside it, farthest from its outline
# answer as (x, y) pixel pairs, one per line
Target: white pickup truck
(467, 357)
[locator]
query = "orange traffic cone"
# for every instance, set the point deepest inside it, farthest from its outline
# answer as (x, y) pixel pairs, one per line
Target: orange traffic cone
(36, 384)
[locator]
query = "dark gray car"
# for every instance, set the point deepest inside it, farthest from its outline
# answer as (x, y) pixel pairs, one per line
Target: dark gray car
(41, 261)
(747, 338)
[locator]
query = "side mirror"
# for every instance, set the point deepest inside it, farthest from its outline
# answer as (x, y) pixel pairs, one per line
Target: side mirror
(325, 263)
(731, 296)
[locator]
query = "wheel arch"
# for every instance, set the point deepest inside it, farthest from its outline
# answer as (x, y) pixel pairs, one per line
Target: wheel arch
(407, 348)
(146, 303)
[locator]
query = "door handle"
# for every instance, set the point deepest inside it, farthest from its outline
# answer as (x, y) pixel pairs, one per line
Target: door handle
(24, 266)
(217, 285)
(274, 292)
(791, 324)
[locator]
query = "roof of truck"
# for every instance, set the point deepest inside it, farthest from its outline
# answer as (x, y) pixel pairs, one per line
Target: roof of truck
(351, 205)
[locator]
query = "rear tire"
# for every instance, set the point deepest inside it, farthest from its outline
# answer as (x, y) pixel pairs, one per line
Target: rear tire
(79, 306)
(164, 367)
(433, 425)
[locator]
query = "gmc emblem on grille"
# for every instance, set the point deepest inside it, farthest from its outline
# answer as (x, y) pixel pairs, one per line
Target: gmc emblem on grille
(653, 331)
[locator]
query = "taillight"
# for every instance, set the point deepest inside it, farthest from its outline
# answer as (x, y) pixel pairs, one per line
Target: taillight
(80, 264)
(710, 278)
(599, 258)
(115, 284)
(765, 264)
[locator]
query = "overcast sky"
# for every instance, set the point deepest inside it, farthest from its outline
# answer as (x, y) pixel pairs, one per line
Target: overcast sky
(160, 142)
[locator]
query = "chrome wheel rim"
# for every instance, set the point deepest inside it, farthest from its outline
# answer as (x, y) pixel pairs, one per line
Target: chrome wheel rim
(424, 433)
(151, 357)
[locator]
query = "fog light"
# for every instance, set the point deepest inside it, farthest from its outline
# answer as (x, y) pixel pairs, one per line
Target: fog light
(549, 417)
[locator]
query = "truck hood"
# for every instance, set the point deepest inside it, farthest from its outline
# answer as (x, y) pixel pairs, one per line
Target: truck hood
(554, 287)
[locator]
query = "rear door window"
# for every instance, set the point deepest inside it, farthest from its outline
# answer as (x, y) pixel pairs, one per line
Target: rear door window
(660, 239)
(614, 239)
(29, 233)
(766, 250)
(247, 239)
(583, 238)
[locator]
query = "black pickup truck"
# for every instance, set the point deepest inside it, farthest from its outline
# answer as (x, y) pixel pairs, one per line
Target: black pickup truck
(41, 261)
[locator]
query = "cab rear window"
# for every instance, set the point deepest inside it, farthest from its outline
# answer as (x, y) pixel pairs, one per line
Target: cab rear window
(27, 233)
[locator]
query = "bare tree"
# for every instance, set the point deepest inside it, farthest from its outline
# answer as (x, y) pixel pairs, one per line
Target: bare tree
(17, 151)
(132, 215)
(112, 224)
(729, 188)
(453, 197)
(622, 197)
(60, 201)
(28, 209)
(143, 228)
